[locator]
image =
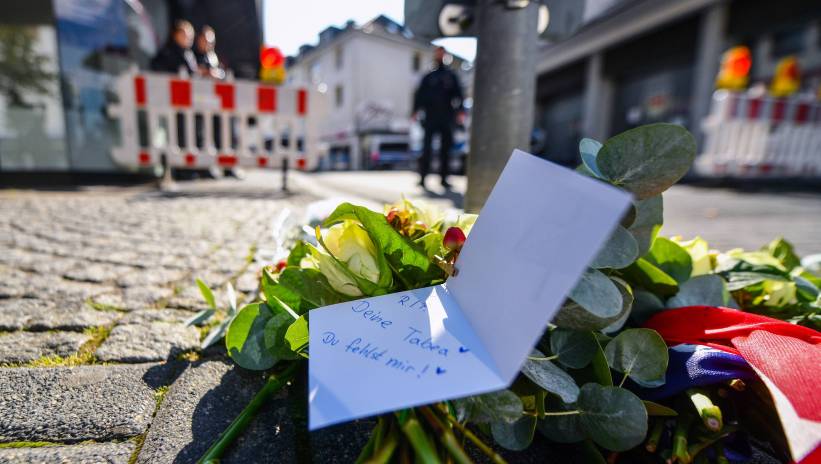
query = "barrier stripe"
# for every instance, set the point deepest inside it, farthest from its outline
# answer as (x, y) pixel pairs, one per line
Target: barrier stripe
(267, 99)
(144, 158)
(139, 90)
(225, 92)
(190, 159)
(180, 91)
(302, 102)
(262, 161)
(802, 112)
(227, 160)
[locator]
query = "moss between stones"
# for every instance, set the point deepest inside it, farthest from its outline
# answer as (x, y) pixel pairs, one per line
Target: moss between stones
(85, 355)
(28, 444)
(139, 440)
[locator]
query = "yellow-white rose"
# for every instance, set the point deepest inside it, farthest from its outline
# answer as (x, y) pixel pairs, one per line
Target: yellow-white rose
(699, 253)
(350, 244)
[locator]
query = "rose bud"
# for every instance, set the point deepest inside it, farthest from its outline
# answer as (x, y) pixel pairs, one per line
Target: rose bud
(281, 265)
(454, 238)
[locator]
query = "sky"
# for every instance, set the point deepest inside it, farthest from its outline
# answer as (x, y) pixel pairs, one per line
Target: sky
(289, 23)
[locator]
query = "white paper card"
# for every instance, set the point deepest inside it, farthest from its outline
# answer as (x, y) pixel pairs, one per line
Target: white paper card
(538, 230)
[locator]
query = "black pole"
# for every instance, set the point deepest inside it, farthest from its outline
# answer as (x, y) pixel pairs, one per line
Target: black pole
(503, 93)
(285, 174)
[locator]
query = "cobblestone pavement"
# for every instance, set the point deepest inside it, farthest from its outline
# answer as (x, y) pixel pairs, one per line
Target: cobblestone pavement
(96, 363)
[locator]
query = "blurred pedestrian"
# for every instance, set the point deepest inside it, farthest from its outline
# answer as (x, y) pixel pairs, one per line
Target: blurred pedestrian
(177, 53)
(439, 96)
(207, 59)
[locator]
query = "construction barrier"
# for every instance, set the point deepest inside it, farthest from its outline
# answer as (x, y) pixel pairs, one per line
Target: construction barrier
(199, 123)
(756, 137)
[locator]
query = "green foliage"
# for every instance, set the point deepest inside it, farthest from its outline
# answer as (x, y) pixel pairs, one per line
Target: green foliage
(245, 339)
(647, 160)
(646, 275)
(670, 258)
(620, 250)
(640, 354)
(589, 149)
(499, 406)
(707, 289)
(574, 348)
(613, 417)
(297, 335)
(597, 294)
(207, 294)
(647, 222)
(516, 436)
(547, 375)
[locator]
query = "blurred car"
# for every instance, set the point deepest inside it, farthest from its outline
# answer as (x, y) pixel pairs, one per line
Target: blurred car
(387, 151)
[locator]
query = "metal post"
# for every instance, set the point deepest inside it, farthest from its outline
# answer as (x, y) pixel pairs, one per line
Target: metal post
(503, 92)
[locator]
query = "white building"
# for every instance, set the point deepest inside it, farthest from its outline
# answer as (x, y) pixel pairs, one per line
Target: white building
(369, 74)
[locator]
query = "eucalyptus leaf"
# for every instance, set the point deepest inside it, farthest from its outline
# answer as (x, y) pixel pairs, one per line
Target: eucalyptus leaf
(245, 340)
(564, 428)
(597, 294)
(573, 316)
(498, 406)
(649, 159)
(589, 148)
(550, 377)
(613, 417)
(601, 369)
(575, 348)
(645, 305)
(207, 294)
(620, 250)
(516, 436)
(671, 258)
(640, 354)
(708, 290)
(627, 306)
(649, 217)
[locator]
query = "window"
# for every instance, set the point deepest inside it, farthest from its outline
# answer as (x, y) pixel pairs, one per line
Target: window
(417, 61)
(339, 96)
(789, 41)
(338, 57)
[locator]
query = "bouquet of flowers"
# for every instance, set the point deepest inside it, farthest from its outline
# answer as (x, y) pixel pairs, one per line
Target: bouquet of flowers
(600, 383)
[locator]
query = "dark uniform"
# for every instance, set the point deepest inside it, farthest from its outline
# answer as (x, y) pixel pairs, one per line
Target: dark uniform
(171, 57)
(440, 96)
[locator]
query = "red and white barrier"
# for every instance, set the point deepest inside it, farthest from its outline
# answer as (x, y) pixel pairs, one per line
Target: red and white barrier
(199, 123)
(755, 137)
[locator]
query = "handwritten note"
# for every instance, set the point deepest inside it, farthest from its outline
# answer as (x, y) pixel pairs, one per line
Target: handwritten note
(540, 227)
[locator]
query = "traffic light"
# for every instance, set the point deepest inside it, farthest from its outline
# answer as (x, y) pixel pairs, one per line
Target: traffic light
(734, 73)
(787, 79)
(272, 65)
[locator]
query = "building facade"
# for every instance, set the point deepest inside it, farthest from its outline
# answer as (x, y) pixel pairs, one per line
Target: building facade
(59, 60)
(636, 62)
(369, 73)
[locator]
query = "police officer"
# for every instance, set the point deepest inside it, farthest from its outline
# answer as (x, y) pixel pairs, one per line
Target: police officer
(439, 96)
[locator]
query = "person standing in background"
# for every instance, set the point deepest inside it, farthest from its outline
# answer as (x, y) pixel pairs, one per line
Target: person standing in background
(177, 51)
(439, 96)
(207, 59)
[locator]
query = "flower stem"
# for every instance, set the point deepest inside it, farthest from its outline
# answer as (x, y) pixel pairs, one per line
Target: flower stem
(543, 358)
(476, 440)
(446, 436)
(272, 385)
(563, 413)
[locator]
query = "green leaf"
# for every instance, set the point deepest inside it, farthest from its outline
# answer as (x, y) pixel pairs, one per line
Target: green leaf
(648, 221)
(597, 294)
(613, 417)
(627, 306)
(561, 429)
(640, 354)
(498, 406)
(516, 436)
(601, 369)
(573, 316)
(200, 317)
(275, 330)
(574, 348)
(589, 148)
(245, 340)
(784, 252)
(215, 334)
(207, 294)
(649, 159)
(655, 409)
(671, 258)
(620, 250)
(299, 251)
(273, 292)
(744, 279)
(310, 286)
(707, 290)
(410, 262)
(297, 334)
(645, 306)
(550, 377)
(646, 275)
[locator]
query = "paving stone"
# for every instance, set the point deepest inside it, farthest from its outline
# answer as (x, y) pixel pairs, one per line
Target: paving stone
(143, 297)
(143, 316)
(148, 341)
(71, 404)
(248, 281)
(208, 396)
(92, 453)
(33, 314)
(20, 347)
(156, 276)
(96, 273)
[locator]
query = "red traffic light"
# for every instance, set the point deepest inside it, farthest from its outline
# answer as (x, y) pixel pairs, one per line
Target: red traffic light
(271, 57)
